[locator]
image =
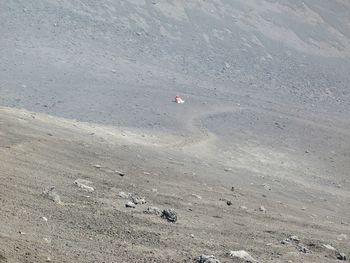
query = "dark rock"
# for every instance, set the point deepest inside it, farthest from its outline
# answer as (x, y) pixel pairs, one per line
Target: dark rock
(170, 215)
(341, 256)
(207, 259)
(130, 205)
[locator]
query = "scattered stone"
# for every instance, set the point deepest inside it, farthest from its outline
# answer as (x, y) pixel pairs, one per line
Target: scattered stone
(207, 259)
(232, 188)
(243, 207)
(84, 184)
(152, 211)
(295, 238)
(154, 190)
(303, 249)
(21, 233)
(45, 218)
(51, 194)
(138, 200)
(341, 256)
(124, 195)
(196, 196)
(146, 173)
(228, 169)
(285, 241)
(267, 187)
(329, 247)
(119, 172)
(170, 215)
(241, 254)
(342, 237)
(192, 235)
(130, 205)
(262, 209)
(227, 201)
(97, 166)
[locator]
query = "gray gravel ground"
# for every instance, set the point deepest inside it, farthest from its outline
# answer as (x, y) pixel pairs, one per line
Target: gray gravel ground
(265, 84)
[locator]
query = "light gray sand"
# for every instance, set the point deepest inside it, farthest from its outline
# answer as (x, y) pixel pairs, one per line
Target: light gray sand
(267, 98)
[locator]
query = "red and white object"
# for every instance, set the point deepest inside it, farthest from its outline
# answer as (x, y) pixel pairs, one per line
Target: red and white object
(179, 100)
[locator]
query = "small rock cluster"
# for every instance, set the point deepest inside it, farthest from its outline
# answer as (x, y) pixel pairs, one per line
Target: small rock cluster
(235, 255)
(207, 259)
(134, 200)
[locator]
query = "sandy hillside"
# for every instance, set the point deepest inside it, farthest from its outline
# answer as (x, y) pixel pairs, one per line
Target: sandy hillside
(75, 224)
(256, 159)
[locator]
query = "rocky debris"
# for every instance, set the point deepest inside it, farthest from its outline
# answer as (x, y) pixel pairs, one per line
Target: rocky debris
(124, 195)
(170, 215)
(152, 211)
(286, 241)
(97, 166)
(267, 187)
(119, 173)
(138, 200)
(227, 201)
(342, 237)
(243, 207)
(244, 255)
(303, 249)
(295, 238)
(291, 239)
(262, 209)
(228, 169)
(296, 242)
(133, 199)
(232, 188)
(329, 247)
(207, 259)
(51, 194)
(84, 184)
(341, 256)
(196, 196)
(130, 205)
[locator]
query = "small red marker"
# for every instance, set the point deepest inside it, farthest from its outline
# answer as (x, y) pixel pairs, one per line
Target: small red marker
(178, 99)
